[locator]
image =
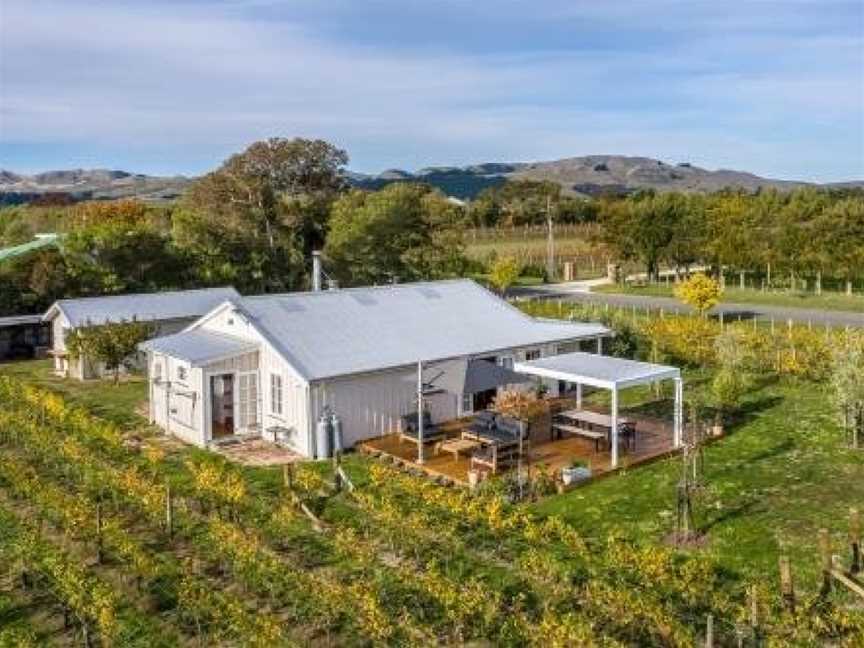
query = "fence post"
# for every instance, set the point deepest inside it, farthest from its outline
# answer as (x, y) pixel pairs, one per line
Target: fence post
(709, 632)
(787, 586)
(855, 540)
(754, 611)
(825, 556)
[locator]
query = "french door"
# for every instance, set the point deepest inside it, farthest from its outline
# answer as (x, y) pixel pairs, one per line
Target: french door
(247, 401)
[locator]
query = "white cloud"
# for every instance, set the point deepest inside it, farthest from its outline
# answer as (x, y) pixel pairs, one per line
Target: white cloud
(194, 81)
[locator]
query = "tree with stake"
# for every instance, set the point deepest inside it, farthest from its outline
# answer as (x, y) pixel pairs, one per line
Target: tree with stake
(701, 292)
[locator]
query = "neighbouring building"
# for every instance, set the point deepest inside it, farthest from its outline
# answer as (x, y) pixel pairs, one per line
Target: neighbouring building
(23, 337)
(169, 312)
(271, 365)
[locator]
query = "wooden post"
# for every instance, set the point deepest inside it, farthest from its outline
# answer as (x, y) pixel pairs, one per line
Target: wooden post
(787, 586)
(169, 511)
(99, 555)
(288, 476)
(855, 540)
(754, 610)
(337, 473)
(709, 632)
(825, 557)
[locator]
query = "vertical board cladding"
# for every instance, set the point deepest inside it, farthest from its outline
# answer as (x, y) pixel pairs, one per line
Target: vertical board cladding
(372, 404)
(293, 418)
(177, 395)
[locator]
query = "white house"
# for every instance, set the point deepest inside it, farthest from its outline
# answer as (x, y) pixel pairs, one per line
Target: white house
(169, 312)
(271, 365)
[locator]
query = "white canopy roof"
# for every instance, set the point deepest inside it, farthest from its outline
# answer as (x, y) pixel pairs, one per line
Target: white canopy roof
(600, 371)
(198, 347)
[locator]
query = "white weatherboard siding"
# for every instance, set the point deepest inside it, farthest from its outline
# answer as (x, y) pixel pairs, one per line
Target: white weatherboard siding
(352, 352)
(177, 404)
(372, 404)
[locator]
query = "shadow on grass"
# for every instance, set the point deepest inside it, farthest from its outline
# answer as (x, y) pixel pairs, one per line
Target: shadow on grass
(731, 514)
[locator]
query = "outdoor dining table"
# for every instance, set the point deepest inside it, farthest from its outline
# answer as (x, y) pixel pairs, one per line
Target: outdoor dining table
(583, 417)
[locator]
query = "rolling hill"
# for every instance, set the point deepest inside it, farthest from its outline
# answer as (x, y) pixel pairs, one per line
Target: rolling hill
(589, 175)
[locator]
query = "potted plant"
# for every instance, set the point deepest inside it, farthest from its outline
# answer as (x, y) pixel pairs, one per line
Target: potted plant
(578, 470)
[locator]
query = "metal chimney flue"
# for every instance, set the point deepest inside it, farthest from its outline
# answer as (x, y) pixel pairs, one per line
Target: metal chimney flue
(316, 271)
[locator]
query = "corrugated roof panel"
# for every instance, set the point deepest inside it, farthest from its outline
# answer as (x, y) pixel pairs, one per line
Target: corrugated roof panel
(199, 347)
(179, 304)
(366, 329)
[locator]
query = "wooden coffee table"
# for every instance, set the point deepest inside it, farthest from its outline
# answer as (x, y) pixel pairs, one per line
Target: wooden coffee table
(455, 446)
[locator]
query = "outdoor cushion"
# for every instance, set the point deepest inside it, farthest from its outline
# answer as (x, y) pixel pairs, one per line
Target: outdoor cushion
(430, 432)
(409, 421)
(509, 426)
(483, 421)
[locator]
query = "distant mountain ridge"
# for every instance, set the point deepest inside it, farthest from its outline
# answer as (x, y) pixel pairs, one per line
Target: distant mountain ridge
(588, 175)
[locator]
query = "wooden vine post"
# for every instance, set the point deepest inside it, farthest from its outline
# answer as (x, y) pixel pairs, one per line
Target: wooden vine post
(169, 511)
(855, 541)
(825, 558)
(709, 631)
(754, 612)
(787, 587)
(288, 476)
(99, 550)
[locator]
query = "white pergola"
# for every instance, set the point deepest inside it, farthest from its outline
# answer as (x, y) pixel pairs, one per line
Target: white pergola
(606, 372)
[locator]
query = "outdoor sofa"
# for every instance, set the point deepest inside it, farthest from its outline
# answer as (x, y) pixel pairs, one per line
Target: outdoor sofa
(431, 433)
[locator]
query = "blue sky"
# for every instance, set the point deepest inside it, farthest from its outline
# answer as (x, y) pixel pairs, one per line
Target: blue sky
(175, 86)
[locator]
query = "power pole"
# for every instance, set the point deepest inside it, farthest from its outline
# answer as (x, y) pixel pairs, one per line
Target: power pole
(550, 241)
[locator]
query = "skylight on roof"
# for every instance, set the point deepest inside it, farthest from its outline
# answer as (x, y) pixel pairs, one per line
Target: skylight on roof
(429, 293)
(363, 299)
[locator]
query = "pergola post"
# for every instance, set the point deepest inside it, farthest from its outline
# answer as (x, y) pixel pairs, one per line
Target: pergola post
(599, 346)
(679, 412)
(579, 395)
(614, 448)
(420, 458)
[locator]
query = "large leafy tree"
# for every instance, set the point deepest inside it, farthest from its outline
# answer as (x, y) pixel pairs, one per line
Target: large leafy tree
(403, 232)
(255, 219)
(120, 246)
(644, 227)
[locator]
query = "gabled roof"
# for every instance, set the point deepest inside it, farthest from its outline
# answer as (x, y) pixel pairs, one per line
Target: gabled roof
(145, 307)
(334, 333)
(199, 347)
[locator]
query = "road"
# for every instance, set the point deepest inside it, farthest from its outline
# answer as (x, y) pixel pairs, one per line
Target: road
(579, 291)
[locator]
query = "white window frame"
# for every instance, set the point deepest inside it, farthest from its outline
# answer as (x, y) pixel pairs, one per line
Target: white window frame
(506, 361)
(467, 403)
(532, 354)
(246, 400)
(277, 394)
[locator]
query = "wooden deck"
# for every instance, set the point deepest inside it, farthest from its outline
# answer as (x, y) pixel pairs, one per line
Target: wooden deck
(654, 439)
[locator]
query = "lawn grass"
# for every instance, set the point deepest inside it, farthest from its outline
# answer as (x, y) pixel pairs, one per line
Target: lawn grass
(781, 473)
(116, 403)
(825, 301)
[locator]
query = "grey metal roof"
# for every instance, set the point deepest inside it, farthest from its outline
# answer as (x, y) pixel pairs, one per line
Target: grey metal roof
(597, 370)
(333, 333)
(18, 320)
(143, 306)
(473, 376)
(199, 346)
